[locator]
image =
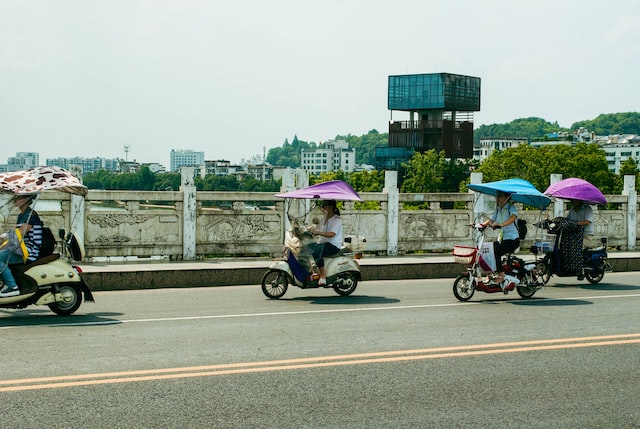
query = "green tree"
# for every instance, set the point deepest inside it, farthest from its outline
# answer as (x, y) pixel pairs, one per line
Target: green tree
(585, 161)
(425, 172)
(147, 178)
(367, 181)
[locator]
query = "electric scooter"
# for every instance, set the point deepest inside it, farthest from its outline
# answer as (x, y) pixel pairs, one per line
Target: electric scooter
(51, 280)
(594, 261)
(343, 270)
(478, 276)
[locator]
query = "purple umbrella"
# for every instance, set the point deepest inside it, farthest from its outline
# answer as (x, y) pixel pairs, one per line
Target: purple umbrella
(576, 189)
(333, 190)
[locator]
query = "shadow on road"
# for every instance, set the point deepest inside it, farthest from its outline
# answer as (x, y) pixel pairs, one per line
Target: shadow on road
(597, 286)
(348, 300)
(46, 318)
(550, 302)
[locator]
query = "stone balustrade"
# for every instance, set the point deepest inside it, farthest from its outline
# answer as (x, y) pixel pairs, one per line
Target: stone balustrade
(189, 225)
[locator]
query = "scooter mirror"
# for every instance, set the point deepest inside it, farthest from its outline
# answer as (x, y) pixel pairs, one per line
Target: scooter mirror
(61, 233)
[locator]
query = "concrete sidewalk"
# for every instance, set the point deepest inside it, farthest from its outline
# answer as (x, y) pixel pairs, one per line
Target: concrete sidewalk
(238, 271)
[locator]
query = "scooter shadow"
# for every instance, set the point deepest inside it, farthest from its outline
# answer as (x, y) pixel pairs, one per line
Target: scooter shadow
(538, 301)
(550, 302)
(348, 300)
(597, 286)
(46, 318)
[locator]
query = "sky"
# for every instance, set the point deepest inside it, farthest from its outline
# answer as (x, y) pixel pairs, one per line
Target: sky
(231, 78)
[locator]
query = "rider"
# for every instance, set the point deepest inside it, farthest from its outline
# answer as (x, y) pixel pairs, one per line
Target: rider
(503, 217)
(583, 214)
(30, 227)
(330, 232)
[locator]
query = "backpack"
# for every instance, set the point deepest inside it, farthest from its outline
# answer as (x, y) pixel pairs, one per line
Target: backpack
(521, 226)
(48, 242)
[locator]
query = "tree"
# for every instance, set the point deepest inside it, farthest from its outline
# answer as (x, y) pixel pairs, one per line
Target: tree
(425, 172)
(583, 160)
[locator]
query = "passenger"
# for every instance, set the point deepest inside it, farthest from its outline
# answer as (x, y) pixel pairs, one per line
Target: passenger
(583, 214)
(30, 227)
(504, 217)
(330, 232)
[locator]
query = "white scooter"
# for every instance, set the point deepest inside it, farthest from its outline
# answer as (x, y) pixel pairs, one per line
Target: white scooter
(51, 280)
(343, 270)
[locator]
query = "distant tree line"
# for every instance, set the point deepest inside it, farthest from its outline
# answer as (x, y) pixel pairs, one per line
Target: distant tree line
(429, 171)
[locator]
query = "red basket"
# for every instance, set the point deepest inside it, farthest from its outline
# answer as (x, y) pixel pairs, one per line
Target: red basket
(464, 254)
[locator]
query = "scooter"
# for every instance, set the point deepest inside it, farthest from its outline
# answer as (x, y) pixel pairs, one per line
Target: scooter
(51, 280)
(594, 261)
(343, 270)
(521, 276)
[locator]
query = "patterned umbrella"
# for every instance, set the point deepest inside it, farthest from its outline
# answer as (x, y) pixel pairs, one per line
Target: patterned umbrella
(38, 179)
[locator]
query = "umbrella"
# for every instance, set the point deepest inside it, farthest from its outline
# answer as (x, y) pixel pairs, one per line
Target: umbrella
(521, 191)
(332, 190)
(576, 189)
(40, 179)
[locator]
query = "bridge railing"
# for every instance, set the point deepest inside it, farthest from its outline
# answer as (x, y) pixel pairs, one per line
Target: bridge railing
(156, 223)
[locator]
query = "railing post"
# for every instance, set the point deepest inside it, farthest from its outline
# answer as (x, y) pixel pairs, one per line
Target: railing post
(632, 201)
(558, 205)
(189, 210)
(76, 207)
(393, 210)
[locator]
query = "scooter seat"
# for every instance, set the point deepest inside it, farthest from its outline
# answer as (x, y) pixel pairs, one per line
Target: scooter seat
(341, 252)
(41, 261)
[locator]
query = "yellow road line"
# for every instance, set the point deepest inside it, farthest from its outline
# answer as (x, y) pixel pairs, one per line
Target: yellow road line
(317, 362)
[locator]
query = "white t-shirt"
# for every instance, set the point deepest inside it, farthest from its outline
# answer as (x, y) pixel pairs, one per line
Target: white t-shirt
(585, 213)
(333, 224)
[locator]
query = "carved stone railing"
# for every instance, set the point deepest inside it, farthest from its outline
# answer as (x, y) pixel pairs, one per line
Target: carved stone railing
(155, 223)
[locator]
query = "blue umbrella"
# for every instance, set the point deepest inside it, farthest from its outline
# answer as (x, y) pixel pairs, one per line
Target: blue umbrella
(521, 191)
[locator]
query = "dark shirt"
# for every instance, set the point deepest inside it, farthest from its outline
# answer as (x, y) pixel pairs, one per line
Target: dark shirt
(33, 238)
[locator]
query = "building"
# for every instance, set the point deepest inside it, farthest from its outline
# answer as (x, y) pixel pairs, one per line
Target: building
(185, 158)
(22, 161)
(490, 144)
(440, 107)
(329, 157)
(219, 167)
(619, 148)
(89, 165)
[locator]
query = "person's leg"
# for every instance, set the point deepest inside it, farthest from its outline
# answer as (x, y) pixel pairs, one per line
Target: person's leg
(327, 250)
(10, 287)
(500, 249)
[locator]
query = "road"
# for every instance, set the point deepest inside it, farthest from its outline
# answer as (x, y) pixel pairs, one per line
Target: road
(397, 354)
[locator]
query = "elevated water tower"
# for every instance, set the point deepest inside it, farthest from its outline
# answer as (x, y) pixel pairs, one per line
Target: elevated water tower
(440, 107)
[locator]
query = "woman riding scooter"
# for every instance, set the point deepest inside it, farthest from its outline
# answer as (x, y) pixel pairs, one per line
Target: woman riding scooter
(503, 217)
(330, 232)
(30, 227)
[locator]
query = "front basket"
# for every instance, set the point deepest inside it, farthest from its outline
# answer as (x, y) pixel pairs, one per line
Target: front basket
(464, 254)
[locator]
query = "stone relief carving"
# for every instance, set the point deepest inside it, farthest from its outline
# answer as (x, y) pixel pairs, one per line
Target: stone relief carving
(250, 227)
(113, 220)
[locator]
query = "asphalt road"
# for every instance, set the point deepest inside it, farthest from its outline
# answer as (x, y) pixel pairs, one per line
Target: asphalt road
(396, 354)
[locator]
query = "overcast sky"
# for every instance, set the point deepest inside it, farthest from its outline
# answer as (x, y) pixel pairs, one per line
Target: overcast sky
(87, 77)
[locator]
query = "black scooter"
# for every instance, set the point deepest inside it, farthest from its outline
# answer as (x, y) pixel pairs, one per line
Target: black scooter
(594, 261)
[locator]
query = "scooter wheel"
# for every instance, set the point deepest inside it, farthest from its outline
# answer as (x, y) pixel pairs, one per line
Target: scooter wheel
(593, 277)
(543, 270)
(463, 288)
(71, 300)
(345, 284)
(275, 284)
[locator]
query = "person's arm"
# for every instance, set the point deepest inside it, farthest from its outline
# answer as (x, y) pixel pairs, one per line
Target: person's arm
(509, 221)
